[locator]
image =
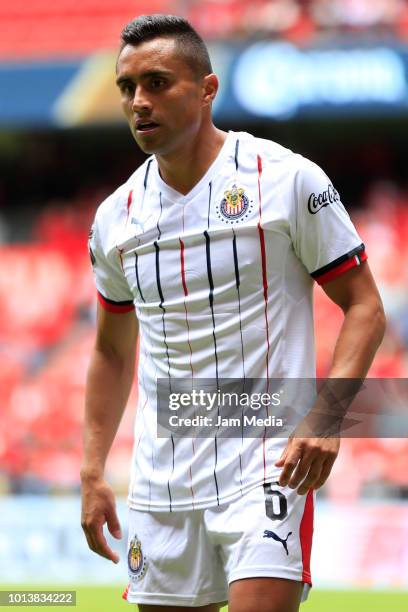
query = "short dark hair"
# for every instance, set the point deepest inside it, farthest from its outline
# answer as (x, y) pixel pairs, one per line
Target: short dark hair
(189, 42)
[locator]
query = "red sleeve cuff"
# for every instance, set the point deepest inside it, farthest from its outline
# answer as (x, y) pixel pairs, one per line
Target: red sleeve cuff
(112, 306)
(340, 266)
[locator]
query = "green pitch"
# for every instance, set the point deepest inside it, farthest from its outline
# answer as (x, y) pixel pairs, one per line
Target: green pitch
(108, 599)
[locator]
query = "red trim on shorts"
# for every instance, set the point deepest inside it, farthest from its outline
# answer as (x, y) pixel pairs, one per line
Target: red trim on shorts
(354, 261)
(112, 306)
(125, 592)
(306, 535)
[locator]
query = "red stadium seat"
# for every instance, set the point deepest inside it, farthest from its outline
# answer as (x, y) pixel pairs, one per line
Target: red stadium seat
(68, 28)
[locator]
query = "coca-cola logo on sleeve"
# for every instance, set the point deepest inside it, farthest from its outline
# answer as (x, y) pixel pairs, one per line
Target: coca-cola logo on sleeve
(318, 201)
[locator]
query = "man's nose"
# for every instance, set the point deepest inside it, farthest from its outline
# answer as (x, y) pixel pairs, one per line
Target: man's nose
(141, 102)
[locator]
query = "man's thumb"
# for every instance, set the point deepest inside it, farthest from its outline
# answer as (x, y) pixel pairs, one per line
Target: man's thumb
(281, 459)
(114, 526)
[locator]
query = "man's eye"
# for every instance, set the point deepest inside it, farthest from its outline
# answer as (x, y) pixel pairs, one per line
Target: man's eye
(157, 83)
(128, 89)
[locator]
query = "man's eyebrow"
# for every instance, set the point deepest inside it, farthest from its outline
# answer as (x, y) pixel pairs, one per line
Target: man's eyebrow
(125, 78)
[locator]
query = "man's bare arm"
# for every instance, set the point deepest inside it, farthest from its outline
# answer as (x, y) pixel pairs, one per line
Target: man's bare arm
(308, 461)
(109, 380)
(363, 326)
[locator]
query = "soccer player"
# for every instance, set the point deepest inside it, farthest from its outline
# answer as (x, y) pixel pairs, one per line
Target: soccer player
(209, 253)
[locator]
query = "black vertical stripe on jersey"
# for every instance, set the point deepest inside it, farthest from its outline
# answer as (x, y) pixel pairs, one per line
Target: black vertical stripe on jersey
(172, 471)
(147, 173)
(145, 185)
(238, 284)
(210, 278)
(159, 289)
(149, 355)
(236, 154)
(211, 296)
(158, 220)
(211, 300)
(137, 277)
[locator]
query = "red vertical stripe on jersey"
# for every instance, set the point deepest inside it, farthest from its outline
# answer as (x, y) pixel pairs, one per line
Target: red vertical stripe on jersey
(306, 534)
(129, 202)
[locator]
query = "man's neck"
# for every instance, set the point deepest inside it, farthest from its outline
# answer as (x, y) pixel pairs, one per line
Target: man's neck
(183, 169)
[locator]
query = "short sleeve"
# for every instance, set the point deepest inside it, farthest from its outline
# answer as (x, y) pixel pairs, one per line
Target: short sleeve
(113, 290)
(324, 237)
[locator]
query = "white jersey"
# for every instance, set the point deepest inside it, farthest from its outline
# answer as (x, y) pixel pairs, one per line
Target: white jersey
(222, 283)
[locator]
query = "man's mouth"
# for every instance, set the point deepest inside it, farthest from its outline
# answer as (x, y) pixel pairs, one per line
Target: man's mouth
(146, 126)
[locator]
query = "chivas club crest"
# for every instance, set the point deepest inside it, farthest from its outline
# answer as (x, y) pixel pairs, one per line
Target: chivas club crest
(234, 204)
(136, 559)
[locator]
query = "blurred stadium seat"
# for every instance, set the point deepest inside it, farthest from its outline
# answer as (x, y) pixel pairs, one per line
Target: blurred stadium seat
(72, 28)
(66, 28)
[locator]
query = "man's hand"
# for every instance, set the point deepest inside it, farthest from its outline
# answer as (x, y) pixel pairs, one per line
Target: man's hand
(307, 462)
(108, 384)
(98, 508)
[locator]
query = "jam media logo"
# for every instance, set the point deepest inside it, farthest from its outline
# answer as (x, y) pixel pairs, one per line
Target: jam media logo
(234, 205)
(274, 536)
(136, 559)
(317, 202)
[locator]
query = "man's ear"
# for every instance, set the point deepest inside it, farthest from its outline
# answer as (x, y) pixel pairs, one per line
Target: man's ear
(210, 88)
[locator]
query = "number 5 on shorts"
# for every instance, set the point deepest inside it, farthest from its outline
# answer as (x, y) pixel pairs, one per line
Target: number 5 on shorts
(276, 505)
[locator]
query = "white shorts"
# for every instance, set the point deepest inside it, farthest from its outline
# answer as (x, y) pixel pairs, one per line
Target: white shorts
(188, 558)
